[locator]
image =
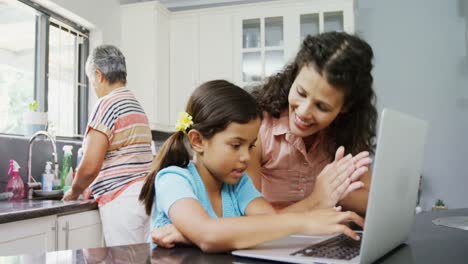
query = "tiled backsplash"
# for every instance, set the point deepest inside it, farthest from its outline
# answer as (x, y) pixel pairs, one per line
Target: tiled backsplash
(16, 147)
(13, 147)
(158, 139)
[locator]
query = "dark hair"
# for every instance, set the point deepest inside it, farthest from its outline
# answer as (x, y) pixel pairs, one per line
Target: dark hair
(110, 61)
(213, 106)
(346, 62)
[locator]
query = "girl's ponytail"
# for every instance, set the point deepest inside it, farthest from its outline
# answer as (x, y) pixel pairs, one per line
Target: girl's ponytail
(210, 109)
(172, 152)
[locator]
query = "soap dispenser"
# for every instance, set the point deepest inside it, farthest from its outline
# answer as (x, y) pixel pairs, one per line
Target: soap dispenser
(15, 184)
(48, 178)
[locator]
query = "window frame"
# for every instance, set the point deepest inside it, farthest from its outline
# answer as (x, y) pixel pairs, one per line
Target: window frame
(43, 24)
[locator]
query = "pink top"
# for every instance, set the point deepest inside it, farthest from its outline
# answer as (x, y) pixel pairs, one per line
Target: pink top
(288, 171)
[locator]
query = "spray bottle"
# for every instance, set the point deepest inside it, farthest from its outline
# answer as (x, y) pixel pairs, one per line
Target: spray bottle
(15, 184)
(66, 164)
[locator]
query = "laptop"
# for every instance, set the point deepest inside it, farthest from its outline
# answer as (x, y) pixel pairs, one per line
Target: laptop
(390, 210)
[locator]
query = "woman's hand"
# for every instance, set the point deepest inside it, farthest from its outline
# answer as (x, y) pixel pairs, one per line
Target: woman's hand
(70, 196)
(167, 236)
(339, 178)
(330, 221)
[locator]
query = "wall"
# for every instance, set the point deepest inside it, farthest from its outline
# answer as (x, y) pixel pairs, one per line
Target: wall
(421, 67)
(101, 17)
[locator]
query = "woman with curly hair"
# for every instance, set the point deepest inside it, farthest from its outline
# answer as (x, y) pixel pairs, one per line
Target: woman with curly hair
(321, 105)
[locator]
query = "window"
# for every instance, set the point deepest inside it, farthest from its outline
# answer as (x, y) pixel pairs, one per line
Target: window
(17, 71)
(64, 45)
(42, 58)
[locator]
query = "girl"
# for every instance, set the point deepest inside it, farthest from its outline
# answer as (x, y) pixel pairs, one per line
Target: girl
(210, 200)
(322, 100)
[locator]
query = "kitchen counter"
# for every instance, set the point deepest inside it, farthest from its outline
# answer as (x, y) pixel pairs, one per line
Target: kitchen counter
(26, 209)
(427, 243)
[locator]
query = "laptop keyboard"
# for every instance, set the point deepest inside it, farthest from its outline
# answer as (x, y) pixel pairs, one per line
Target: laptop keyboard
(339, 247)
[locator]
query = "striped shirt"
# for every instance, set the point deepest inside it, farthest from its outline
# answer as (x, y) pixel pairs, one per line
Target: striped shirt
(121, 118)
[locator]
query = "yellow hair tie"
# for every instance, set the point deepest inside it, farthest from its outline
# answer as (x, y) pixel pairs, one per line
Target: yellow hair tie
(184, 122)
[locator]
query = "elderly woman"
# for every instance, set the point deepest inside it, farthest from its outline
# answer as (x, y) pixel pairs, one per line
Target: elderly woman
(117, 151)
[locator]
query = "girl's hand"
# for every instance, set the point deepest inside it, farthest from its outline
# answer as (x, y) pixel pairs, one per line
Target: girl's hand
(330, 221)
(167, 236)
(339, 178)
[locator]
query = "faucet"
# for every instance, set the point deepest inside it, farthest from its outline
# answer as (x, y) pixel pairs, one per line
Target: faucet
(31, 185)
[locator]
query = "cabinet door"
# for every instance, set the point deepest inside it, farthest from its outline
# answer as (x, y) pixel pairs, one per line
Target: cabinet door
(138, 46)
(145, 44)
(184, 69)
(81, 230)
(30, 236)
(162, 95)
(268, 35)
(216, 47)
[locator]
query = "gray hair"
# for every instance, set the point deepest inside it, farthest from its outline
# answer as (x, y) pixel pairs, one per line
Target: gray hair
(110, 61)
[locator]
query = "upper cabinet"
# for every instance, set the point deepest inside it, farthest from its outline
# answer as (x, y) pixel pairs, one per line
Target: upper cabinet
(268, 35)
(145, 44)
(170, 53)
(201, 50)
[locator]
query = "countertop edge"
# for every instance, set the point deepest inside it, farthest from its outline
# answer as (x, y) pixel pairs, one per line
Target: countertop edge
(41, 212)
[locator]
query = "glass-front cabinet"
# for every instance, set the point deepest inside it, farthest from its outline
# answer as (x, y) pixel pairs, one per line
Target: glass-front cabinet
(262, 48)
(268, 38)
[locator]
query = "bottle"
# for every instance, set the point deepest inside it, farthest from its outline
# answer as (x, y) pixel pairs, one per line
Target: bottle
(69, 178)
(15, 184)
(79, 158)
(66, 164)
(48, 178)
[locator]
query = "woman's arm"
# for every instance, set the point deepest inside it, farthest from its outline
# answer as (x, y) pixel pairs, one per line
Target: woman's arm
(224, 234)
(335, 181)
(90, 165)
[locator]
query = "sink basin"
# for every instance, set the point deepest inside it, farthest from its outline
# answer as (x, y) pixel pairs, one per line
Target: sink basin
(47, 195)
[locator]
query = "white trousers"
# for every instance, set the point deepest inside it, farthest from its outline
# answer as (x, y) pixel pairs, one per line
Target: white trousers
(124, 220)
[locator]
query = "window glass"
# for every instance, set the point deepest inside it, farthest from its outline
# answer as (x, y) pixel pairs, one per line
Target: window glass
(63, 73)
(17, 68)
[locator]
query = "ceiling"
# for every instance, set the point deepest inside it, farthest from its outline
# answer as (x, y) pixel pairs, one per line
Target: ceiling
(179, 5)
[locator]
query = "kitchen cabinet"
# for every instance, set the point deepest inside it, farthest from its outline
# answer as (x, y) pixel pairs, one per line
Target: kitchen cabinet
(170, 53)
(201, 50)
(184, 61)
(80, 230)
(30, 236)
(51, 233)
(145, 45)
(215, 46)
(268, 35)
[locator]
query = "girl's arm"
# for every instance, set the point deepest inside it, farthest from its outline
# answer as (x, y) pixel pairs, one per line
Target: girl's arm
(168, 236)
(229, 233)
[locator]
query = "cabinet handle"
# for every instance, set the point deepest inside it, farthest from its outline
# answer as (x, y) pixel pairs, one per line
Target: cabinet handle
(55, 229)
(67, 231)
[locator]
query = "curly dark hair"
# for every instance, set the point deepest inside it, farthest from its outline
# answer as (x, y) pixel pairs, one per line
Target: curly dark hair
(346, 61)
